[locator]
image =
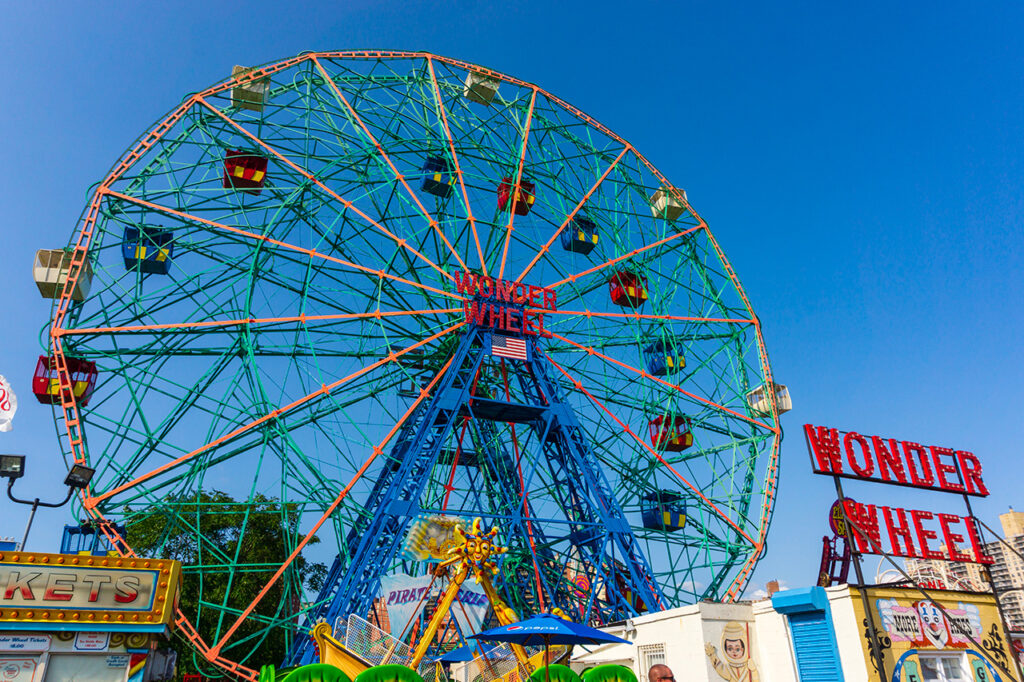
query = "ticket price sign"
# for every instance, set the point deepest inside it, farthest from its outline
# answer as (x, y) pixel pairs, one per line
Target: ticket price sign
(96, 595)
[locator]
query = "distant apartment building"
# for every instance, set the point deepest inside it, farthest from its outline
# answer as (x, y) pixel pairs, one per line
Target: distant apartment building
(1008, 569)
(1007, 572)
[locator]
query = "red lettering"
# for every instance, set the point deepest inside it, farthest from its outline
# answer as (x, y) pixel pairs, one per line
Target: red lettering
(465, 283)
(889, 460)
(512, 324)
(485, 285)
(23, 583)
(127, 589)
(475, 312)
(504, 290)
(923, 536)
(549, 299)
(520, 292)
(975, 537)
(869, 464)
(899, 530)
(95, 582)
(540, 326)
(952, 538)
(57, 581)
(942, 469)
(527, 327)
(864, 518)
(535, 295)
(970, 470)
(825, 445)
(496, 313)
(922, 476)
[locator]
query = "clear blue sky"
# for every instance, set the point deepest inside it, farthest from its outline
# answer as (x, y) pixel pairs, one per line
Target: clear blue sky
(862, 168)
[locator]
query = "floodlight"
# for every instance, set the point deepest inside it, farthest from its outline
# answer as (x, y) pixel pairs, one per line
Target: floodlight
(12, 466)
(79, 476)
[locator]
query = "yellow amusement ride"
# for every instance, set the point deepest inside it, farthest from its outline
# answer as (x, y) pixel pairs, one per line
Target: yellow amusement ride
(473, 555)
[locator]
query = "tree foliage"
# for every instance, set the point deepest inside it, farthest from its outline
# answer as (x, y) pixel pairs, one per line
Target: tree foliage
(228, 552)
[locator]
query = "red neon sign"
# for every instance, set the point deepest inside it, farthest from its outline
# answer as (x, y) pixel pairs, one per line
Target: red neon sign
(505, 305)
(914, 533)
(872, 458)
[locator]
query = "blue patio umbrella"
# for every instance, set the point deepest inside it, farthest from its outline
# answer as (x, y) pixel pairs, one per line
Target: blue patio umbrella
(547, 629)
(464, 653)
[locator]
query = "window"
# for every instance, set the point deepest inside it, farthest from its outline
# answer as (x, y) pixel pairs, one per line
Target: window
(650, 654)
(942, 668)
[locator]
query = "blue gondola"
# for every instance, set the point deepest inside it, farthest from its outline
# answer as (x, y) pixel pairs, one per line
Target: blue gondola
(149, 250)
(437, 178)
(89, 540)
(580, 236)
(663, 510)
(663, 357)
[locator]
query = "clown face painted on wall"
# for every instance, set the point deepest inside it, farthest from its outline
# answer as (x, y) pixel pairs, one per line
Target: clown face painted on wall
(933, 622)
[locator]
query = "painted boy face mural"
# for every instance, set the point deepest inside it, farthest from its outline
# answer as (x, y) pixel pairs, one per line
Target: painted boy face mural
(933, 622)
(735, 650)
(736, 665)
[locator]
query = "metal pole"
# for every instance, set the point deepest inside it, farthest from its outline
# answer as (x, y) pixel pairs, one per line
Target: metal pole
(876, 646)
(28, 526)
(987, 571)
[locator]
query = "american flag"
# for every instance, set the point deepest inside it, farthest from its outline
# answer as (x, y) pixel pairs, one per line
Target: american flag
(508, 347)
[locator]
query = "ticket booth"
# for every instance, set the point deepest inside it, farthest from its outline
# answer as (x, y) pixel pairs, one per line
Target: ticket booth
(82, 617)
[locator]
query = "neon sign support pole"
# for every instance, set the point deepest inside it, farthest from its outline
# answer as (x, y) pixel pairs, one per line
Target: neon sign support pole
(991, 581)
(876, 645)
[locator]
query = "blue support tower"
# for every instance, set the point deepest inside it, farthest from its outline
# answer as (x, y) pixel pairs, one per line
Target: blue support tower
(600, 539)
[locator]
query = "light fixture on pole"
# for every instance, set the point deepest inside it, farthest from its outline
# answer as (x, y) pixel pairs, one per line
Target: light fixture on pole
(79, 477)
(12, 467)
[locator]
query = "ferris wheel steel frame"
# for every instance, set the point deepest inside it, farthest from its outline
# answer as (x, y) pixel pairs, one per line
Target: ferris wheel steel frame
(62, 330)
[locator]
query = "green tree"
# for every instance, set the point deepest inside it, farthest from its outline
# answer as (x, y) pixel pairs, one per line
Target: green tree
(228, 553)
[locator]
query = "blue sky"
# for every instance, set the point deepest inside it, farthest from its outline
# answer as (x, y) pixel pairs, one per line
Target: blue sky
(860, 167)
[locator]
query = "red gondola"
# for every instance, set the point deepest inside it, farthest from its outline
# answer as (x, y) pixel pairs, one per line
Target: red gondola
(524, 197)
(671, 433)
(244, 171)
(46, 382)
(627, 289)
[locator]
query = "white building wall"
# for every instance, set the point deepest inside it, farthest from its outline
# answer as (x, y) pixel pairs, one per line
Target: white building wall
(774, 644)
(681, 636)
(848, 629)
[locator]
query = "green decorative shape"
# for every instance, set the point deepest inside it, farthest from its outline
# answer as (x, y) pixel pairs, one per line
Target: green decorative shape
(316, 672)
(557, 673)
(609, 672)
(911, 674)
(388, 673)
(980, 671)
(268, 674)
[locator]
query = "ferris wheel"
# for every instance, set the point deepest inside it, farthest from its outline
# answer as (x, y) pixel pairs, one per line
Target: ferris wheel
(355, 288)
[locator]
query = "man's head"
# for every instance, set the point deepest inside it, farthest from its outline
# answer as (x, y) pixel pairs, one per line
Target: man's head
(660, 673)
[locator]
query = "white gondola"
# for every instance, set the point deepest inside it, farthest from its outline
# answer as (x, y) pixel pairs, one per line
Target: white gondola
(50, 271)
(480, 88)
(760, 403)
(665, 205)
(251, 95)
